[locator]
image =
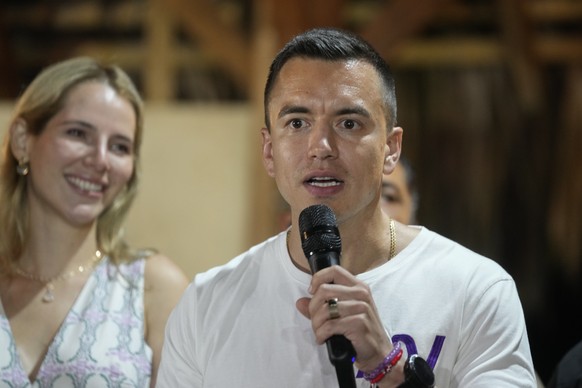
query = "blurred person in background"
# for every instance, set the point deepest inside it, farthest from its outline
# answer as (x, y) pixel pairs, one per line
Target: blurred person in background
(399, 193)
(568, 372)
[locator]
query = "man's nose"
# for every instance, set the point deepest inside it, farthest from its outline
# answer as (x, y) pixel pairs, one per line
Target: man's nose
(322, 142)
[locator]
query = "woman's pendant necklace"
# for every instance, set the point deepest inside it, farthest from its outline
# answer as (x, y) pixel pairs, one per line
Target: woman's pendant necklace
(49, 283)
(48, 293)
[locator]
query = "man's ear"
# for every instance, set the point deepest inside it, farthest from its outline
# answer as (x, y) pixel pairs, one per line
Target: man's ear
(393, 149)
(19, 140)
(268, 152)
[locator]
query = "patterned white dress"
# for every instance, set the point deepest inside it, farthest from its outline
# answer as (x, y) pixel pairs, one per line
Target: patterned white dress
(101, 341)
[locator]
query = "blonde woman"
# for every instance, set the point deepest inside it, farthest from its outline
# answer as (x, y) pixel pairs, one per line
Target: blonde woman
(78, 306)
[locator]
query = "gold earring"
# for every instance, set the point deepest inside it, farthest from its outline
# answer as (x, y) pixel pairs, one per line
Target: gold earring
(22, 168)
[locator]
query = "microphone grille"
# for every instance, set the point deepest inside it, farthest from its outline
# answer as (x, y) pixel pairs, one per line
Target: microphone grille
(318, 230)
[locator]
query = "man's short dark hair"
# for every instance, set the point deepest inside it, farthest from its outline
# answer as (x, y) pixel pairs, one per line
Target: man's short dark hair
(332, 44)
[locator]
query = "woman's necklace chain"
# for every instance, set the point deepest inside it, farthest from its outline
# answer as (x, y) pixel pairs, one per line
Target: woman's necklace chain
(49, 283)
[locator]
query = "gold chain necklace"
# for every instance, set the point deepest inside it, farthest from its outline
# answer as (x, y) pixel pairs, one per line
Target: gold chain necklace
(49, 283)
(392, 239)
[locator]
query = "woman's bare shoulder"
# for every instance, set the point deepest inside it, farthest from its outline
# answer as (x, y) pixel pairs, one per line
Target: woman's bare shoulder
(163, 272)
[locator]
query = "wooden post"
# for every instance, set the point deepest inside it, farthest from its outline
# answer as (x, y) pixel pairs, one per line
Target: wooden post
(159, 81)
(264, 196)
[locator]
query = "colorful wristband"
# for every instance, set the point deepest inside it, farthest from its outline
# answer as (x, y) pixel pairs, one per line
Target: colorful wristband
(386, 365)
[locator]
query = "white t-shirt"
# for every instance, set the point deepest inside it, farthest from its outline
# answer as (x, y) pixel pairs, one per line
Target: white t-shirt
(237, 324)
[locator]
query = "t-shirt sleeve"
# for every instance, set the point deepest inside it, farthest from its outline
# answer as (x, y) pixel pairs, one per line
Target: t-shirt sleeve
(179, 365)
(494, 351)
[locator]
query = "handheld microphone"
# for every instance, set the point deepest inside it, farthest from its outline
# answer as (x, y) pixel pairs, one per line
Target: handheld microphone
(321, 243)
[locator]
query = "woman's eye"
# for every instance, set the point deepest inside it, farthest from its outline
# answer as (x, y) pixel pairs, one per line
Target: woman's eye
(121, 148)
(76, 132)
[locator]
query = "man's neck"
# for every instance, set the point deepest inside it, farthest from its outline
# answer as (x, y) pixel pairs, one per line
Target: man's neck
(363, 248)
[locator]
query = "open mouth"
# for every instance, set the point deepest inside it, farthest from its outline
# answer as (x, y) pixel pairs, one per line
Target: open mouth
(324, 182)
(85, 185)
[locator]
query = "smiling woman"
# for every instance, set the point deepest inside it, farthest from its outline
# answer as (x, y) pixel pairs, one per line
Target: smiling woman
(67, 277)
(83, 158)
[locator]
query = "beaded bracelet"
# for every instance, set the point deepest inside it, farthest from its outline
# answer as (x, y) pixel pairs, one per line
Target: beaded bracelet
(386, 365)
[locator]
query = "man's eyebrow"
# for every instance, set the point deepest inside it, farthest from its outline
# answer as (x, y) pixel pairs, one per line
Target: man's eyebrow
(344, 111)
(354, 110)
(290, 109)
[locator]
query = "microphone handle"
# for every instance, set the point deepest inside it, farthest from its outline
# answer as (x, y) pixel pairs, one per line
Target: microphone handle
(341, 353)
(339, 348)
(321, 260)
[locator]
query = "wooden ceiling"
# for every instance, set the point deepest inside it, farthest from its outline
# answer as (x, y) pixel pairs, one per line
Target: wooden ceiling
(173, 46)
(220, 50)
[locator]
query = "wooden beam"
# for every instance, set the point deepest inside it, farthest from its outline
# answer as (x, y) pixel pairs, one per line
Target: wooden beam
(159, 72)
(224, 43)
(449, 52)
(294, 17)
(473, 51)
(558, 49)
(455, 51)
(132, 56)
(266, 42)
(519, 54)
(539, 11)
(321, 12)
(554, 10)
(398, 21)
